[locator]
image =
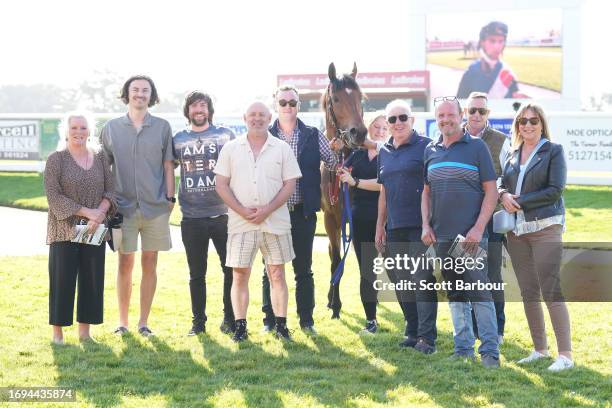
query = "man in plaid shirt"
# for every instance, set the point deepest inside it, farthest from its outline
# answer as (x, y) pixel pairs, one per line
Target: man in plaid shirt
(310, 148)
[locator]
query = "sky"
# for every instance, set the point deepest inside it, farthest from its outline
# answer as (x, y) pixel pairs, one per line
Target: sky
(231, 49)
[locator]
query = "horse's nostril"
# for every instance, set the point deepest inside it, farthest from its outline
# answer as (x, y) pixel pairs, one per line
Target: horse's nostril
(353, 131)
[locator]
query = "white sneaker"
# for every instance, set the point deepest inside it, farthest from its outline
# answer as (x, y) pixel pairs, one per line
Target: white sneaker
(500, 339)
(561, 363)
(535, 355)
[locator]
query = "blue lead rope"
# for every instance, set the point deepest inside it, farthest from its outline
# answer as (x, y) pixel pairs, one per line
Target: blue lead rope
(346, 238)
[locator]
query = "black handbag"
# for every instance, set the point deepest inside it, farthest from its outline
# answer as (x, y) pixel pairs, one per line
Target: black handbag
(114, 228)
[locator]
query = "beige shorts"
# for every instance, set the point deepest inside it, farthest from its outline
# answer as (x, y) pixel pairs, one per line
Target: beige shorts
(154, 233)
(242, 248)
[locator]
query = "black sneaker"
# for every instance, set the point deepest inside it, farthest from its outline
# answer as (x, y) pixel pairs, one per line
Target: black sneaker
(409, 342)
(196, 329)
(240, 335)
(227, 327)
(283, 333)
(370, 328)
(423, 347)
(309, 330)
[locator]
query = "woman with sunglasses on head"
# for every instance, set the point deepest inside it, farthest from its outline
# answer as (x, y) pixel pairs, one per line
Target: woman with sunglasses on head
(532, 185)
(79, 188)
(360, 173)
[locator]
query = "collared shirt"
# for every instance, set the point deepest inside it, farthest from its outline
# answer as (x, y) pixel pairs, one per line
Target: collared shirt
(137, 158)
(197, 153)
(503, 153)
(400, 171)
(330, 159)
(455, 175)
(255, 182)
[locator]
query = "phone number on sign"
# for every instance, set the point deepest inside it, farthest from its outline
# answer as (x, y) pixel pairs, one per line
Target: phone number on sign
(37, 394)
(589, 155)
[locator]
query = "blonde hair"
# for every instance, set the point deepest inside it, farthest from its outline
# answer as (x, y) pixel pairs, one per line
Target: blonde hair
(373, 117)
(64, 126)
(517, 139)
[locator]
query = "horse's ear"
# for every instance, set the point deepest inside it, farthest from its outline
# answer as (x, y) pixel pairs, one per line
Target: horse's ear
(332, 72)
(354, 72)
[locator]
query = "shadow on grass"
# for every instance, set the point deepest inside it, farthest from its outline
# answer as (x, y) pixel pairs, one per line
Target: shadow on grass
(320, 372)
(457, 383)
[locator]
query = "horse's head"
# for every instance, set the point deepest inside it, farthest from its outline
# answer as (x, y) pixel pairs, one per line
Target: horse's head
(343, 111)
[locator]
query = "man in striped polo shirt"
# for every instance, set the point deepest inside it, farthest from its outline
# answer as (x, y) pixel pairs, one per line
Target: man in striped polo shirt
(459, 197)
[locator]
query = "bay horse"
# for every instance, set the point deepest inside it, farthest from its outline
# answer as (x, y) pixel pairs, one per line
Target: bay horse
(344, 121)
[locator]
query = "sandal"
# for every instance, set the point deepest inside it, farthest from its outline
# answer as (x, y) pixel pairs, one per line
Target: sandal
(121, 330)
(145, 331)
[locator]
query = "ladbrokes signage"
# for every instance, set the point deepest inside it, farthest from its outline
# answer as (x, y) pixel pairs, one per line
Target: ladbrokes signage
(19, 140)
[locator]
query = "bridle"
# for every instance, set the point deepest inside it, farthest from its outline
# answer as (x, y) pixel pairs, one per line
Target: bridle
(342, 134)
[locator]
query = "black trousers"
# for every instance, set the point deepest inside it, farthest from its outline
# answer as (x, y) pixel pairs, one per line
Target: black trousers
(420, 307)
(494, 261)
(364, 233)
(302, 234)
(196, 234)
(70, 263)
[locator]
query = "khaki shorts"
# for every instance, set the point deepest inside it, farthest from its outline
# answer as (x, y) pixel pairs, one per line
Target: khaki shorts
(242, 248)
(154, 233)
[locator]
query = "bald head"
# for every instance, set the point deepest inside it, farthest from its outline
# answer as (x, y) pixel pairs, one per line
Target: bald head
(257, 118)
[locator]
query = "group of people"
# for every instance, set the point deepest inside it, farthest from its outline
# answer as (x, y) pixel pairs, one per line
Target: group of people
(261, 191)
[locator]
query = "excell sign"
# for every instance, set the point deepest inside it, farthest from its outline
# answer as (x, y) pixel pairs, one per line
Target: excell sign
(19, 140)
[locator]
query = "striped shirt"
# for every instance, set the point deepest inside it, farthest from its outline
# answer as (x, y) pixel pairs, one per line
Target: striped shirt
(455, 175)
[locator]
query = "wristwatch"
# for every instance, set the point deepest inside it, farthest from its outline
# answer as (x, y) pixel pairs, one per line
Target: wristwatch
(171, 199)
(356, 182)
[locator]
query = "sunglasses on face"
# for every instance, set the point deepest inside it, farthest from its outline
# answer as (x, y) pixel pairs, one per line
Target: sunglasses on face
(534, 121)
(482, 111)
(402, 118)
(293, 103)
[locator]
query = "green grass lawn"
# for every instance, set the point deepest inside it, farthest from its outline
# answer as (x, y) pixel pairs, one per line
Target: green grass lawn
(336, 368)
(589, 208)
(535, 66)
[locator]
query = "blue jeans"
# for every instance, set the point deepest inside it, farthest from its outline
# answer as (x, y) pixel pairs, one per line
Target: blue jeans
(462, 302)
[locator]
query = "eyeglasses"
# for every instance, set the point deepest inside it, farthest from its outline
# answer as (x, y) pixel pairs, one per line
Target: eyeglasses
(482, 111)
(293, 103)
(440, 99)
(402, 118)
(534, 121)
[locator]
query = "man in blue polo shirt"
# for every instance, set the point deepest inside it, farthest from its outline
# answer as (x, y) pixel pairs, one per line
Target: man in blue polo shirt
(459, 198)
(400, 173)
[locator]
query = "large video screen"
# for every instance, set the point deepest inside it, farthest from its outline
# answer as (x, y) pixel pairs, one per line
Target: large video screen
(506, 54)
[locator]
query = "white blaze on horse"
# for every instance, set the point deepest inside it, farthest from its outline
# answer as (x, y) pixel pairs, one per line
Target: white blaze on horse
(344, 121)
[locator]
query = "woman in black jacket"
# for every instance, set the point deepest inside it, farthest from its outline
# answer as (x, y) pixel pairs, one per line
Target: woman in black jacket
(532, 184)
(360, 174)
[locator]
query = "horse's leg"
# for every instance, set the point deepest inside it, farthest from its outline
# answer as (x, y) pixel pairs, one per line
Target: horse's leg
(333, 233)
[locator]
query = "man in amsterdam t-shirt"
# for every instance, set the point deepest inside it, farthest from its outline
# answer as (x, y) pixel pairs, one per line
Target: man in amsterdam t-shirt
(204, 213)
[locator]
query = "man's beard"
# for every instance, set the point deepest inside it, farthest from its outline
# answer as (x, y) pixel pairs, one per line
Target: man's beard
(199, 122)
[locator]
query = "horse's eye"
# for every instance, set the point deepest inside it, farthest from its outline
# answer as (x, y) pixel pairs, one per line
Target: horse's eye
(336, 99)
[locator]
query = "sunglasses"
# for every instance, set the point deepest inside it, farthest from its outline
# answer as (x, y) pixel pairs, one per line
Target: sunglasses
(293, 103)
(440, 99)
(482, 111)
(534, 121)
(402, 118)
